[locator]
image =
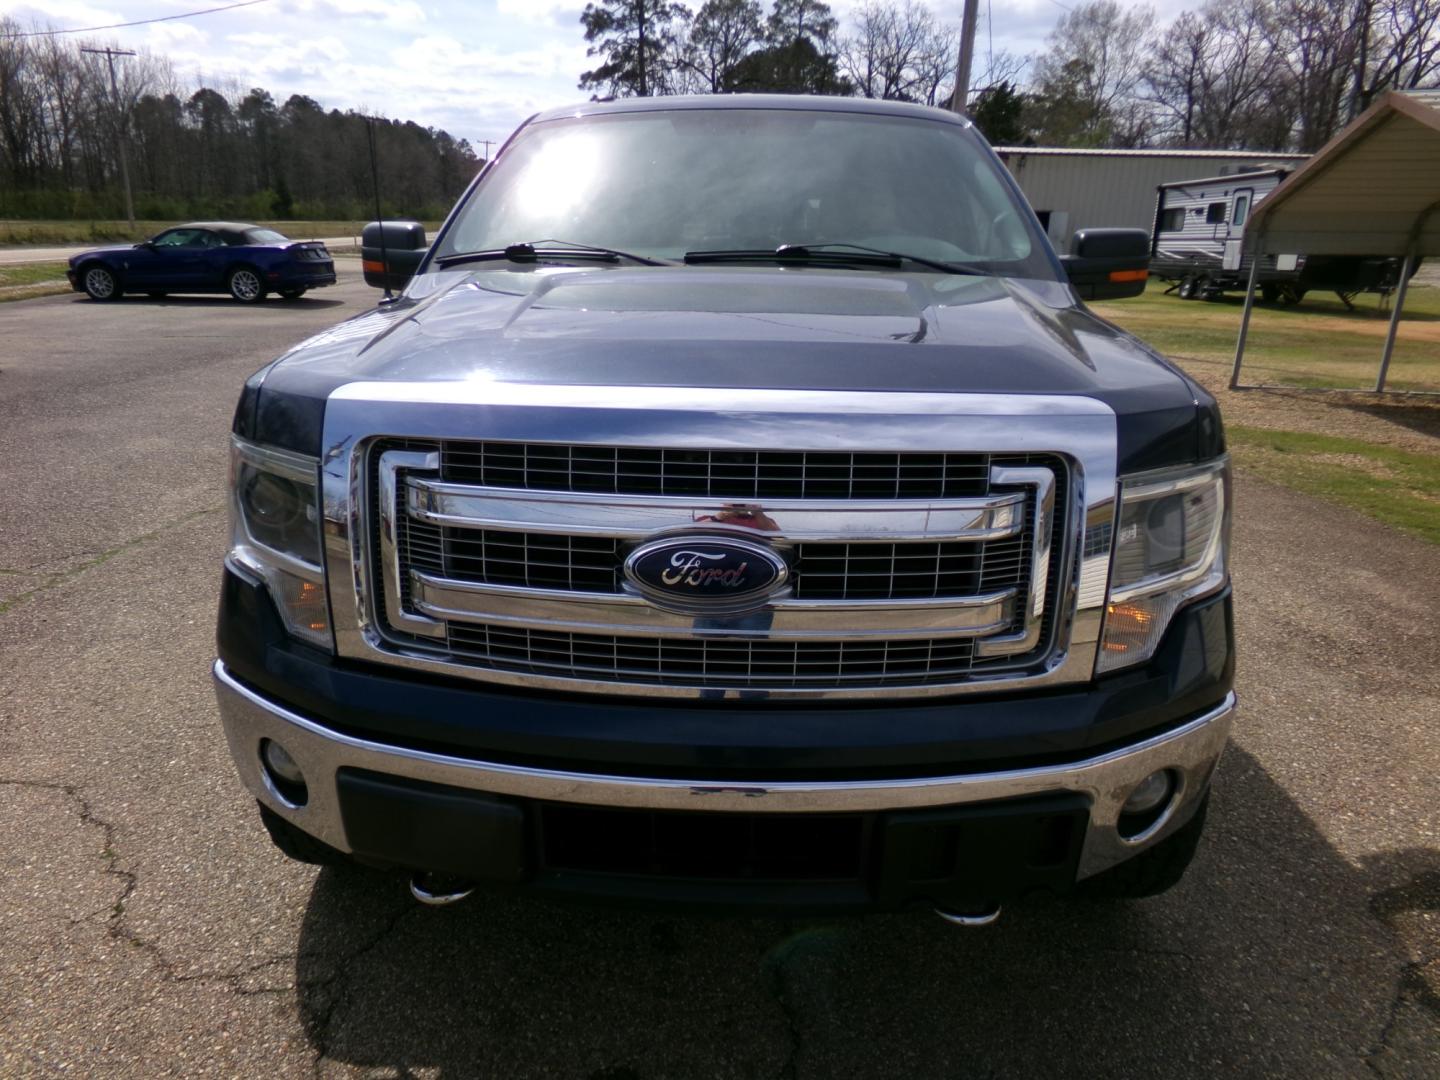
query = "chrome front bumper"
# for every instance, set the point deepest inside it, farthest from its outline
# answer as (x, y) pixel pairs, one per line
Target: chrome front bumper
(1190, 750)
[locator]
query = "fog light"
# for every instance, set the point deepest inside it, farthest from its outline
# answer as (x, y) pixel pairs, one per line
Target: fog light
(1149, 793)
(283, 772)
(283, 765)
(1148, 805)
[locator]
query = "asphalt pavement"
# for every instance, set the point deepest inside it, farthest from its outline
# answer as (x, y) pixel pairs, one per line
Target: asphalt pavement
(147, 928)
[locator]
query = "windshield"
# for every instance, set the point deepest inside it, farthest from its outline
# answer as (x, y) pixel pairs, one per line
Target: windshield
(661, 184)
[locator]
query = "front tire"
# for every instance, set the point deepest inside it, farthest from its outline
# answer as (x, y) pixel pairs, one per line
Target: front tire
(244, 284)
(101, 283)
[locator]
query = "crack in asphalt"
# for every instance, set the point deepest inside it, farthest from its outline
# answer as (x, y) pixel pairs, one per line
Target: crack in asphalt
(780, 990)
(339, 986)
(129, 880)
(99, 558)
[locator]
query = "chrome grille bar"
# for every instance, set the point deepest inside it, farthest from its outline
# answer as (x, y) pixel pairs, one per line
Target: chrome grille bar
(784, 619)
(635, 518)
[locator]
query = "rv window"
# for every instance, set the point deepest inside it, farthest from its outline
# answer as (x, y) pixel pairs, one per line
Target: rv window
(1242, 210)
(1215, 213)
(1173, 220)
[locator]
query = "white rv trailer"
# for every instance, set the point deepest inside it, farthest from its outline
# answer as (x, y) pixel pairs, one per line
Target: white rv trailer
(1198, 245)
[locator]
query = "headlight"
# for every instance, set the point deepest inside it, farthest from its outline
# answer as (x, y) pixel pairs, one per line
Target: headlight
(1171, 540)
(275, 533)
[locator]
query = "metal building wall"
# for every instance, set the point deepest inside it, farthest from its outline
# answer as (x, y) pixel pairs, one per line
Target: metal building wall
(1111, 188)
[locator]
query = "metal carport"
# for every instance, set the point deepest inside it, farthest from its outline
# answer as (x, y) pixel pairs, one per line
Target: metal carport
(1374, 189)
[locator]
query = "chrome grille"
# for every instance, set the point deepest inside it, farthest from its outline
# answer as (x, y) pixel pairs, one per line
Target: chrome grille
(725, 474)
(732, 655)
(731, 664)
(820, 571)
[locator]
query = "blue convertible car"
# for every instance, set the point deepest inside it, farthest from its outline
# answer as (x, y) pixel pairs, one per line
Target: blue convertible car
(246, 261)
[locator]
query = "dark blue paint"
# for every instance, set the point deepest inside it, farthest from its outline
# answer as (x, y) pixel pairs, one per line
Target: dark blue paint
(141, 268)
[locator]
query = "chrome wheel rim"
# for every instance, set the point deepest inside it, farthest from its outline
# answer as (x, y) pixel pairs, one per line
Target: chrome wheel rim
(244, 285)
(99, 283)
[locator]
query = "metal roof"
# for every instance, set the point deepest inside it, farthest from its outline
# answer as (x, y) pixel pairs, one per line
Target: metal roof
(1265, 169)
(1069, 151)
(1374, 189)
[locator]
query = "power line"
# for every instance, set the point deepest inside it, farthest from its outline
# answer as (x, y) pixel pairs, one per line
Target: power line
(137, 22)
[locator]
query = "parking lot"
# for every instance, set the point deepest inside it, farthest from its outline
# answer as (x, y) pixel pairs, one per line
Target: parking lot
(148, 928)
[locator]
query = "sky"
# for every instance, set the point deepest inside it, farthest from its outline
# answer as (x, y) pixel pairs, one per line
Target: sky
(476, 68)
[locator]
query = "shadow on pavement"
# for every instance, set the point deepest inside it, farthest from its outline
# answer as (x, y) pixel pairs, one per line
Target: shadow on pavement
(1274, 956)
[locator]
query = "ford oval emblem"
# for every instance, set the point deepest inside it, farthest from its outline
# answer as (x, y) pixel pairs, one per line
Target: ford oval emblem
(703, 575)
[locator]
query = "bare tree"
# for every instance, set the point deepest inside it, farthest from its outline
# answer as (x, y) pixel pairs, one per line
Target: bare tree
(722, 32)
(1398, 48)
(1212, 76)
(1085, 84)
(898, 52)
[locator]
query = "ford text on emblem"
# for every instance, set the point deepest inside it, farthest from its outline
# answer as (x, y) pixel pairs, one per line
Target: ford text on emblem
(705, 574)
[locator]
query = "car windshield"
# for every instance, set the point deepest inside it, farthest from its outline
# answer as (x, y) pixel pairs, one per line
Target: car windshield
(667, 183)
(263, 236)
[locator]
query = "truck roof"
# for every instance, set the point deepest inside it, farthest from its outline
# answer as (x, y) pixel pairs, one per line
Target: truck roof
(783, 102)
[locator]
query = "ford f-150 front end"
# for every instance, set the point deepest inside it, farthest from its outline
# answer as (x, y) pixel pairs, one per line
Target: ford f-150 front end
(787, 534)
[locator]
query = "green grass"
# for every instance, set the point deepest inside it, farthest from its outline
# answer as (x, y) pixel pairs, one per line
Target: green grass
(1318, 343)
(29, 280)
(1398, 487)
(31, 273)
(14, 233)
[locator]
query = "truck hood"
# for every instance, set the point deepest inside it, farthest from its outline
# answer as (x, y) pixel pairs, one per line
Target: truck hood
(756, 327)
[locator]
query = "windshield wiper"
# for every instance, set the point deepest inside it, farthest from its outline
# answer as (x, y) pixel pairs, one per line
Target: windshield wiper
(852, 254)
(533, 251)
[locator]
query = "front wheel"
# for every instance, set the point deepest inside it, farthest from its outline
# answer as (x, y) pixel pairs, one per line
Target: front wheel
(244, 285)
(292, 294)
(100, 284)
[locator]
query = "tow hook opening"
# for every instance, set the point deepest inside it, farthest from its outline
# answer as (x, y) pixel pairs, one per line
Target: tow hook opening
(438, 890)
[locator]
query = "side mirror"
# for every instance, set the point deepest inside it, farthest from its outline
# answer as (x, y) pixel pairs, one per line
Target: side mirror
(147, 245)
(1108, 264)
(390, 251)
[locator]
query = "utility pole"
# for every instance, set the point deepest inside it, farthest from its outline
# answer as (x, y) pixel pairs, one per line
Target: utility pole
(486, 143)
(967, 52)
(121, 126)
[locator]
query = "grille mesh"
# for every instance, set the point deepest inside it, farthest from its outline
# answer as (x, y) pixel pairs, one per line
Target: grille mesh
(727, 474)
(719, 662)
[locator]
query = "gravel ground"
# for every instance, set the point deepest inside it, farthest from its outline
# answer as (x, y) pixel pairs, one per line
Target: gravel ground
(148, 929)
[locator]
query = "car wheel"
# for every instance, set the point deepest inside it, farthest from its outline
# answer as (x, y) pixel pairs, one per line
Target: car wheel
(1189, 287)
(245, 285)
(100, 284)
(292, 294)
